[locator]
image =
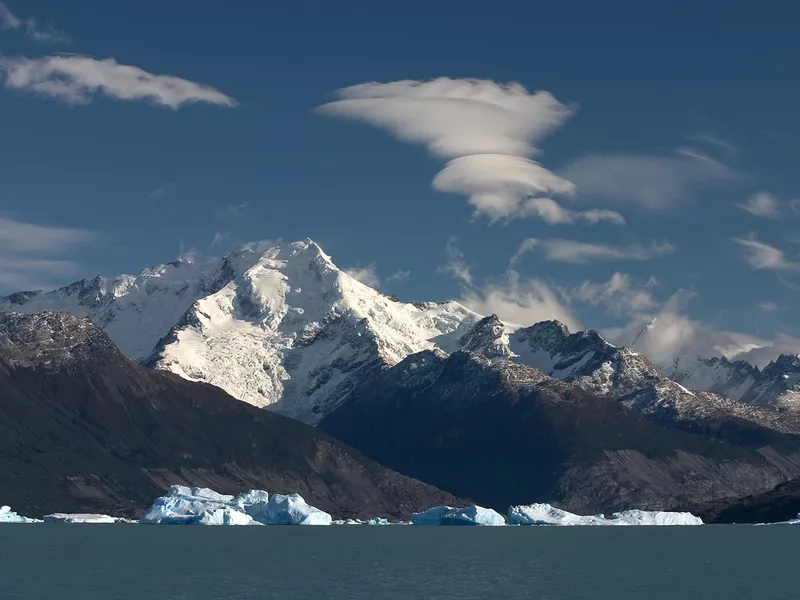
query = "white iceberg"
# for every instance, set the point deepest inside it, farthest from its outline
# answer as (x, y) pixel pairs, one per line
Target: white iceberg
(645, 517)
(447, 515)
(432, 516)
(185, 506)
(9, 516)
(80, 518)
(201, 506)
(292, 510)
(544, 514)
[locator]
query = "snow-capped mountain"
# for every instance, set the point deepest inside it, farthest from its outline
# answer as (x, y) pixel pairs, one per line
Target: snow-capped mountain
(277, 326)
(280, 326)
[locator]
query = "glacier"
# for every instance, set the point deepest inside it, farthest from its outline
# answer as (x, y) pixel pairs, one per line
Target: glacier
(545, 514)
(183, 505)
(9, 516)
(447, 515)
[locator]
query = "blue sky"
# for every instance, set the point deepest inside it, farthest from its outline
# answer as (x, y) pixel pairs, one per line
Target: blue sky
(678, 120)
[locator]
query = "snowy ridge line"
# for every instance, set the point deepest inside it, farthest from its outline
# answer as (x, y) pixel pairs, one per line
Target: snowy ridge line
(282, 327)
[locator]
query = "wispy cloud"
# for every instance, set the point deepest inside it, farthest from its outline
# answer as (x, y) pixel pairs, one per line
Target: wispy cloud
(220, 237)
(763, 204)
(42, 34)
(484, 130)
(651, 181)
(399, 277)
(79, 79)
(456, 265)
(513, 298)
(367, 275)
(763, 256)
(768, 307)
(712, 139)
(236, 209)
(33, 255)
(571, 251)
(619, 295)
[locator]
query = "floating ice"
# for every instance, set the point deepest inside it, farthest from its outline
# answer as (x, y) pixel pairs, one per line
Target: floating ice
(201, 506)
(544, 514)
(9, 516)
(292, 510)
(81, 518)
(447, 515)
(644, 517)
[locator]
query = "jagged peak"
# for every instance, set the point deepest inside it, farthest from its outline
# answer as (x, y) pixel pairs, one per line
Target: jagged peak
(548, 335)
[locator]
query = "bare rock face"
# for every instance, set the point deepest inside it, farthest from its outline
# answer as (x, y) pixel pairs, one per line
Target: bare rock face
(504, 433)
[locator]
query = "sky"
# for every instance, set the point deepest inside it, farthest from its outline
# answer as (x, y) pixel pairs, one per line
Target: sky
(600, 164)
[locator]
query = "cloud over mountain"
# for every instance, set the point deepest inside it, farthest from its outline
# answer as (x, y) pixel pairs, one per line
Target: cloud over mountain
(487, 134)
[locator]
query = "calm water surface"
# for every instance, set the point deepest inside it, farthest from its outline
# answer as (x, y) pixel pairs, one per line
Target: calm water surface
(131, 562)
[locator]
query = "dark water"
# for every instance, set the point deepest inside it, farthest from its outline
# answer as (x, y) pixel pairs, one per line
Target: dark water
(88, 562)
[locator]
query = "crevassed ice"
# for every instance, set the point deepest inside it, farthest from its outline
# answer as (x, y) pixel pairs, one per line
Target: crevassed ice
(545, 514)
(201, 506)
(447, 515)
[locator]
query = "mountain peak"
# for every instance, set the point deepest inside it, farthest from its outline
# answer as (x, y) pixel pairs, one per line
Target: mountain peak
(547, 335)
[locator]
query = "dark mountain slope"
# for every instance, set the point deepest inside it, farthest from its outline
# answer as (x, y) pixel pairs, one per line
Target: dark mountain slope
(82, 428)
(504, 433)
(779, 504)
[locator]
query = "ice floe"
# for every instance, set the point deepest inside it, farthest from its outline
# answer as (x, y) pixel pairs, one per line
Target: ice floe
(544, 514)
(82, 518)
(9, 516)
(201, 506)
(447, 515)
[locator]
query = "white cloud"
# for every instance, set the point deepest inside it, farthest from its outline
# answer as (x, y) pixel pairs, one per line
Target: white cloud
(456, 264)
(711, 139)
(486, 131)
(763, 256)
(654, 182)
(571, 251)
(519, 300)
(33, 256)
(43, 35)
(78, 79)
(669, 333)
(399, 277)
(367, 275)
(514, 299)
(220, 237)
(762, 204)
(618, 295)
(768, 306)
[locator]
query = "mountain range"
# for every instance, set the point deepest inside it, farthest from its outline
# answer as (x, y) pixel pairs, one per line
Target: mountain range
(418, 385)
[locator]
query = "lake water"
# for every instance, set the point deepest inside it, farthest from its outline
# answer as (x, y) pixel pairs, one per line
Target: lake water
(132, 562)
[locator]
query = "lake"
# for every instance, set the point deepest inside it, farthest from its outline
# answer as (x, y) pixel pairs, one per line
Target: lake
(136, 562)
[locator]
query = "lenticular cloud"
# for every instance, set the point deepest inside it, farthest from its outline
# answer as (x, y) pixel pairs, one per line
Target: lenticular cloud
(486, 131)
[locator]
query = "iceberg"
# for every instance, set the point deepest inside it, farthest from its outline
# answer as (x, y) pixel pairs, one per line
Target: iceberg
(447, 515)
(183, 505)
(81, 518)
(9, 516)
(292, 510)
(545, 514)
(644, 517)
